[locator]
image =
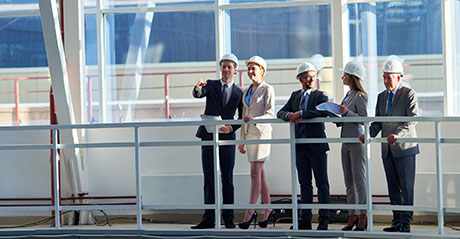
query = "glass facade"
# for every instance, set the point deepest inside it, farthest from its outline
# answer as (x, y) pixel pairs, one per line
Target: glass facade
(24, 80)
(155, 3)
(145, 51)
(409, 29)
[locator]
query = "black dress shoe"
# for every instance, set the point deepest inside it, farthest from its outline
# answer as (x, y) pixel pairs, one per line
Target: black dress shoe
(303, 225)
(322, 225)
(395, 227)
(405, 227)
(229, 225)
(203, 225)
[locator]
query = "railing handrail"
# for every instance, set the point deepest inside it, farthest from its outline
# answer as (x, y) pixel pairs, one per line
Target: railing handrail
(196, 121)
(216, 143)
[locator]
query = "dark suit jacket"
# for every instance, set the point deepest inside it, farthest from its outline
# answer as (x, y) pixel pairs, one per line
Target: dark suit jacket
(214, 106)
(314, 130)
(404, 104)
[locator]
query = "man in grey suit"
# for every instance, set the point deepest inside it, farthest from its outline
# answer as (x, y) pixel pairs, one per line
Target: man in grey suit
(398, 158)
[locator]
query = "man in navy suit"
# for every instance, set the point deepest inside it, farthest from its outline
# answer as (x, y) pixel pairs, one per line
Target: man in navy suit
(223, 98)
(309, 157)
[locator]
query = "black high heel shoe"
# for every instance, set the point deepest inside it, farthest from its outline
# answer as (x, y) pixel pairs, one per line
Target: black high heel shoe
(263, 224)
(245, 225)
(362, 217)
(350, 227)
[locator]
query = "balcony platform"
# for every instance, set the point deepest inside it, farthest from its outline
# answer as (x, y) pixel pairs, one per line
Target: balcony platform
(162, 230)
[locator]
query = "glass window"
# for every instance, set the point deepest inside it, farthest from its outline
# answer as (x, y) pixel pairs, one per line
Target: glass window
(91, 39)
(285, 36)
(155, 3)
(19, 5)
(21, 42)
(24, 78)
(136, 43)
(412, 31)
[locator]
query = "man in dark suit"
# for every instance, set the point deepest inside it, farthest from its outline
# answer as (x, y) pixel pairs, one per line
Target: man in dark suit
(223, 98)
(398, 158)
(309, 157)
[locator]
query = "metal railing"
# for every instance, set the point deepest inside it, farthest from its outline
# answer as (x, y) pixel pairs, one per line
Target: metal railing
(137, 144)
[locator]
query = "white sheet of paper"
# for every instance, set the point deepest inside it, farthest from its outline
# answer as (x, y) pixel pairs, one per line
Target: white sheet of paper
(210, 128)
(330, 107)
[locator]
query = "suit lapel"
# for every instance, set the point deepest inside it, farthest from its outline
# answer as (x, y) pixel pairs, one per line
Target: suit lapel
(311, 99)
(219, 92)
(350, 99)
(296, 100)
(256, 93)
(233, 95)
(395, 99)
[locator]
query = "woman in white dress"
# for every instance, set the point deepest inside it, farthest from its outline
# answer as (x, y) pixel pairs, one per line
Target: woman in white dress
(259, 103)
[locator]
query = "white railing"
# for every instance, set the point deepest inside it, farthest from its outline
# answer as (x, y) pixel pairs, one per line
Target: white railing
(440, 209)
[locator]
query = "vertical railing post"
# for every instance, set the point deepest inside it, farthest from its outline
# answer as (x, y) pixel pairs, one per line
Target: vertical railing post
(16, 101)
(138, 178)
(439, 178)
(57, 216)
(241, 78)
(167, 112)
(293, 177)
(368, 176)
(217, 190)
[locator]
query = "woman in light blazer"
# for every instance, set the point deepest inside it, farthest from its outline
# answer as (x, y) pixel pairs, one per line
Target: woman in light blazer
(259, 103)
(353, 161)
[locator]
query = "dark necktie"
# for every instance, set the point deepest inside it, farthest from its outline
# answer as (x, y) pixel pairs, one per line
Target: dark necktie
(303, 106)
(224, 94)
(389, 103)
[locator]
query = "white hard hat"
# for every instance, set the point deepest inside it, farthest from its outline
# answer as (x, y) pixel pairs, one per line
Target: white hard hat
(393, 66)
(355, 68)
(395, 57)
(259, 61)
(304, 67)
(318, 61)
(229, 57)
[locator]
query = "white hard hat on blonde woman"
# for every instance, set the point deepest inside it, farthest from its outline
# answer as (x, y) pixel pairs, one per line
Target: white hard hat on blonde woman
(259, 61)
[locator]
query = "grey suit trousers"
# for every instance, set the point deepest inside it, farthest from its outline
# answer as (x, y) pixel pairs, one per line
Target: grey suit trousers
(354, 172)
